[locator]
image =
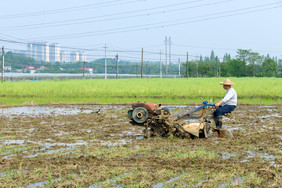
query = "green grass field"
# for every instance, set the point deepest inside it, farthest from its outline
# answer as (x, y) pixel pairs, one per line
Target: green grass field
(165, 91)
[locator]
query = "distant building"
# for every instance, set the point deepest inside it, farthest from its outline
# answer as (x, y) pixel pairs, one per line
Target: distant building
(90, 70)
(40, 51)
(29, 50)
(29, 69)
(63, 56)
(74, 56)
(43, 51)
(82, 56)
(34, 50)
(42, 67)
(7, 68)
(46, 57)
(55, 55)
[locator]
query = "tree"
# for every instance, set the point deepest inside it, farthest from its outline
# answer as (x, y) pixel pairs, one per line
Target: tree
(192, 66)
(203, 68)
(269, 68)
(280, 63)
(236, 67)
(212, 69)
(207, 59)
(224, 69)
(253, 58)
(201, 58)
(212, 57)
(226, 57)
(243, 55)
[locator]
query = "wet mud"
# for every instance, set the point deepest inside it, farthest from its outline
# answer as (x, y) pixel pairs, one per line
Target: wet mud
(74, 146)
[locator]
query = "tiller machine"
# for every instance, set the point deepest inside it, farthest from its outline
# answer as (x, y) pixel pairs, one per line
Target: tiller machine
(158, 121)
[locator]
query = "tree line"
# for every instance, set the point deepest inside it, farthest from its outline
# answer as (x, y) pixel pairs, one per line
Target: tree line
(245, 64)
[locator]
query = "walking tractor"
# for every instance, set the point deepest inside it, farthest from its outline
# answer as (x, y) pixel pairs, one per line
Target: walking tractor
(159, 121)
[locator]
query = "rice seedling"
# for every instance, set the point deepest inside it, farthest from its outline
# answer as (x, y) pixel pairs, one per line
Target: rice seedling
(166, 91)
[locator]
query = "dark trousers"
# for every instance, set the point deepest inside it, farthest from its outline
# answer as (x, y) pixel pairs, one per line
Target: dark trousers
(217, 114)
(223, 110)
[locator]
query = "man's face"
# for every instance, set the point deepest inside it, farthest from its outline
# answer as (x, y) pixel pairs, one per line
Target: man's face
(226, 87)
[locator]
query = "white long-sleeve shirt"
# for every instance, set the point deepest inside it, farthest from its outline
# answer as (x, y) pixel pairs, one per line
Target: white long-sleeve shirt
(230, 97)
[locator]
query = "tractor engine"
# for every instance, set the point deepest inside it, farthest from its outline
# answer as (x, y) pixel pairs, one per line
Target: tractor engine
(154, 117)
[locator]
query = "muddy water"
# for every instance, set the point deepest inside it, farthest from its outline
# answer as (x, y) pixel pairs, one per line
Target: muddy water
(72, 145)
(56, 110)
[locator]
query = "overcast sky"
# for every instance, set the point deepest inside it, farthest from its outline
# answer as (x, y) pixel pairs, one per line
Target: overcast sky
(126, 26)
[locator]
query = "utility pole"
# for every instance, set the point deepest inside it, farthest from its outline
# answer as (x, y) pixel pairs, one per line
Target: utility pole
(117, 67)
(166, 68)
(83, 68)
(197, 66)
(216, 66)
(142, 64)
(253, 67)
(219, 71)
(161, 71)
(3, 63)
(147, 70)
(187, 66)
(169, 43)
(105, 62)
(136, 71)
(179, 68)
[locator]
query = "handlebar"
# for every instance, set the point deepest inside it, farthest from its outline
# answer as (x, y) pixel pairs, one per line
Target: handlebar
(185, 113)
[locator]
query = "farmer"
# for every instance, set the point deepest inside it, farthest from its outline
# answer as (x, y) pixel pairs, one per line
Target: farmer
(227, 104)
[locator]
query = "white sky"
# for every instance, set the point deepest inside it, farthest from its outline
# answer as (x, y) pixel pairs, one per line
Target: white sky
(196, 26)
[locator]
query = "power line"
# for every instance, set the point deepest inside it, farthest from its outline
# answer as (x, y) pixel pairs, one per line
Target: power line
(113, 51)
(75, 8)
(119, 51)
(212, 48)
(165, 24)
(93, 50)
(82, 20)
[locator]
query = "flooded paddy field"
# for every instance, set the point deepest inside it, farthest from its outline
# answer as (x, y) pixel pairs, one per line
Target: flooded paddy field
(73, 146)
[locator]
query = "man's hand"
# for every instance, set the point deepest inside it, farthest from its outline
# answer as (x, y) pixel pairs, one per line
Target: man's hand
(218, 104)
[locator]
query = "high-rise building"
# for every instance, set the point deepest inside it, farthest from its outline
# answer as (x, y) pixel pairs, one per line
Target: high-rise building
(55, 55)
(82, 56)
(63, 56)
(34, 50)
(46, 57)
(29, 50)
(40, 51)
(74, 56)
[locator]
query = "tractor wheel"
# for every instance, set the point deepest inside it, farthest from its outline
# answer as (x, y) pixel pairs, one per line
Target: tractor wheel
(140, 115)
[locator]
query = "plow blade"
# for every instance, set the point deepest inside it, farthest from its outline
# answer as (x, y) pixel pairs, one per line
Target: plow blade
(193, 129)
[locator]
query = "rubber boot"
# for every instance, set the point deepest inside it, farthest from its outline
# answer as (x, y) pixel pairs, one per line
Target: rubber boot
(218, 122)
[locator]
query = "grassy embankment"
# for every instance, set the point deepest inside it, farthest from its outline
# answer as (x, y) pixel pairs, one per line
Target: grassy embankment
(165, 91)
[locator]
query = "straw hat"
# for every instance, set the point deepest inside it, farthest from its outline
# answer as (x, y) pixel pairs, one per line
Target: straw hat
(227, 82)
